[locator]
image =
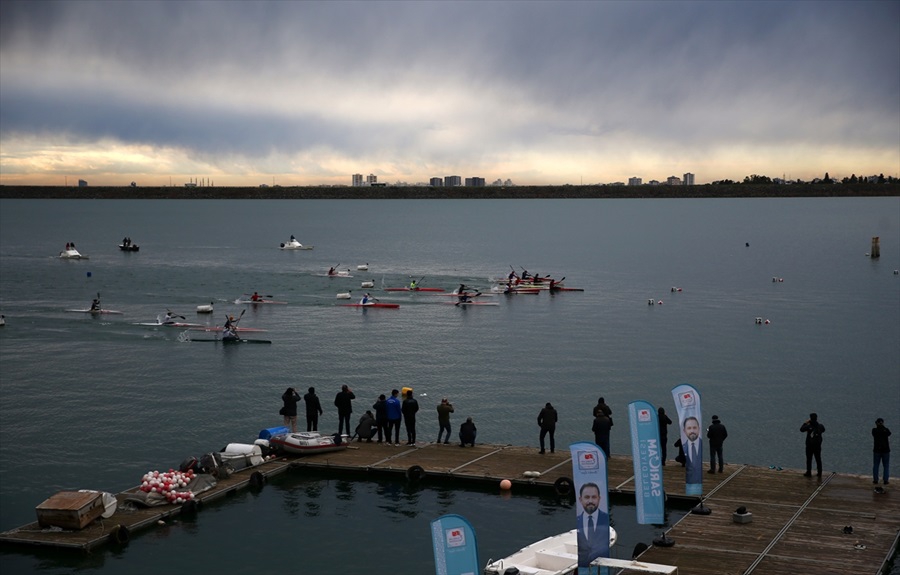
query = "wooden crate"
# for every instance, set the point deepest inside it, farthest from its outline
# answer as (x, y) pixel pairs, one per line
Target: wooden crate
(70, 509)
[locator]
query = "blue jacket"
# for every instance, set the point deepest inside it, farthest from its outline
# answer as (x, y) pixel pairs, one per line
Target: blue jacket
(394, 409)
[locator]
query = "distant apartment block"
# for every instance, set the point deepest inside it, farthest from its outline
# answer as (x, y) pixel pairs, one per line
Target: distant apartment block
(673, 181)
(436, 182)
(357, 180)
(82, 183)
(452, 181)
(634, 181)
(688, 179)
(371, 179)
(475, 182)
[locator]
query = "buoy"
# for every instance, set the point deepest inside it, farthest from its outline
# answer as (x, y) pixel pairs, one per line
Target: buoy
(650, 302)
(767, 322)
(89, 274)
(563, 486)
(506, 485)
(415, 473)
(659, 302)
(368, 284)
(531, 473)
(344, 295)
(205, 308)
(362, 267)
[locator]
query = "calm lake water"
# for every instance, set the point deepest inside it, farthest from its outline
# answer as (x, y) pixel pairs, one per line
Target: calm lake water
(96, 402)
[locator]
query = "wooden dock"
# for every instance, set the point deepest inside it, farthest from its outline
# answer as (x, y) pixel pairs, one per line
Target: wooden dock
(797, 524)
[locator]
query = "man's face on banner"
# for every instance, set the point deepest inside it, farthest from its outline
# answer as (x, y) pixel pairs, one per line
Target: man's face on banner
(692, 428)
(590, 499)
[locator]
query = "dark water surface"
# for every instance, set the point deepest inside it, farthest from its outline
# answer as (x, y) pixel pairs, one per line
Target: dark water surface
(96, 402)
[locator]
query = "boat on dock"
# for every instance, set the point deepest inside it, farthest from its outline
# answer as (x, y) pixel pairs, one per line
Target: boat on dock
(308, 443)
(554, 555)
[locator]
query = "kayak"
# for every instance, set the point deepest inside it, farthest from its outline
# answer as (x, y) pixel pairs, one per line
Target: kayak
(96, 311)
(462, 303)
(560, 288)
(515, 290)
(259, 301)
(233, 341)
(468, 293)
(221, 328)
(434, 289)
(169, 324)
(335, 275)
(376, 304)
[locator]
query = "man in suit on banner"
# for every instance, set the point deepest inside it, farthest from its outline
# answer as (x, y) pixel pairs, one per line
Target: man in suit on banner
(593, 526)
(693, 450)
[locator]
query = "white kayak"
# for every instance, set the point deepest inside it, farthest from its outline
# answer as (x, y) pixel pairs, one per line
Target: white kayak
(295, 245)
(71, 254)
(170, 324)
(96, 311)
(554, 555)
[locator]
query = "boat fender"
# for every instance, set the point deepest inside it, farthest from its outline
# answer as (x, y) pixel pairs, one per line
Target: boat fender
(257, 479)
(532, 473)
(119, 535)
(563, 486)
(415, 473)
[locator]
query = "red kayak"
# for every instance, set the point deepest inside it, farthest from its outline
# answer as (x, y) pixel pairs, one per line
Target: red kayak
(258, 301)
(413, 289)
(375, 304)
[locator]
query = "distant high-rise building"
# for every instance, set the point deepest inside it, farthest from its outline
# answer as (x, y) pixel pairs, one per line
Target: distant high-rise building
(436, 182)
(451, 181)
(357, 179)
(688, 179)
(475, 182)
(82, 183)
(634, 181)
(371, 179)
(673, 181)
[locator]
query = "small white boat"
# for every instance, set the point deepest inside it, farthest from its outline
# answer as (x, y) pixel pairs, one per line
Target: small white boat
(293, 244)
(71, 254)
(555, 555)
(308, 442)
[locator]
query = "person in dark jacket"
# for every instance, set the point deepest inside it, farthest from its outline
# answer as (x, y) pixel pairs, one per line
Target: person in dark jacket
(716, 434)
(366, 427)
(342, 401)
(602, 424)
(602, 407)
(381, 417)
(444, 409)
(881, 451)
(814, 431)
(289, 411)
(409, 408)
(313, 409)
(467, 433)
(547, 419)
(664, 423)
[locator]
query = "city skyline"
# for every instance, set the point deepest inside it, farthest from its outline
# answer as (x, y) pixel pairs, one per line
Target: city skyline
(537, 93)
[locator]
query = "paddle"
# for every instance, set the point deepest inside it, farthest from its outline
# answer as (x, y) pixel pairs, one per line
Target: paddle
(173, 315)
(268, 295)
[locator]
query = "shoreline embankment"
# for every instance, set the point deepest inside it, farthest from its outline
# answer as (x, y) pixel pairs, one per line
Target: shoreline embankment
(460, 193)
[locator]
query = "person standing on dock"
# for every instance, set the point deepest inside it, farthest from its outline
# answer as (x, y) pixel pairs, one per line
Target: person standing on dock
(409, 408)
(313, 409)
(602, 407)
(881, 451)
(444, 409)
(716, 434)
(602, 425)
(814, 431)
(342, 401)
(289, 411)
(547, 419)
(664, 423)
(381, 418)
(467, 433)
(394, 413)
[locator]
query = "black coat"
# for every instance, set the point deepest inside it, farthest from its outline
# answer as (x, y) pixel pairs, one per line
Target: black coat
(290, 399)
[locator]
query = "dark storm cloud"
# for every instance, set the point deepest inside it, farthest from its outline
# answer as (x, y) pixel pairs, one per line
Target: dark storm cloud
(253, 77)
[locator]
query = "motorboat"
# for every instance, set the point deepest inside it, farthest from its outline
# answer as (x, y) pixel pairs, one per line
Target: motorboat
(293, 244)
(129, 247)
(71, 254)
(308, 442)
(554, 555)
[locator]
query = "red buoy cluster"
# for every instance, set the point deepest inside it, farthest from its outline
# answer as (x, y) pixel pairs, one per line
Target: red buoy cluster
(168, 484)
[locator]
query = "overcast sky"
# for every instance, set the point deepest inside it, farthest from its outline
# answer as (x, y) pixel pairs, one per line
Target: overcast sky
(306, 93)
